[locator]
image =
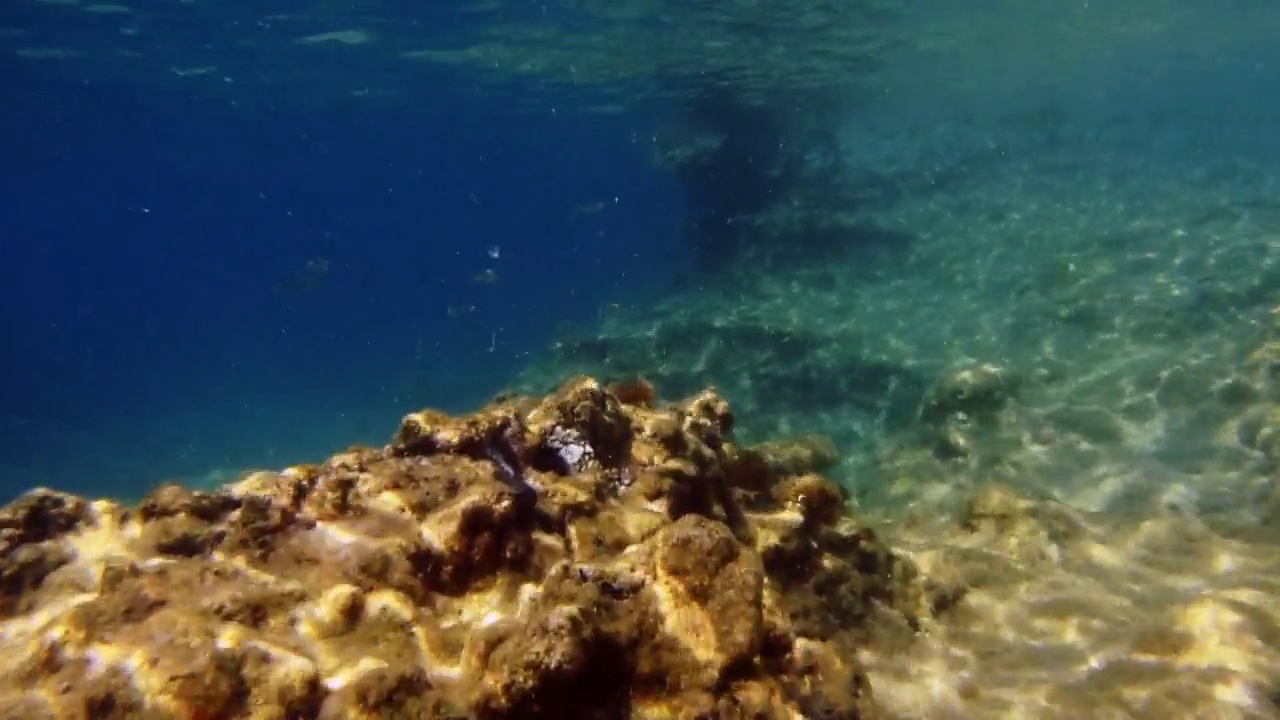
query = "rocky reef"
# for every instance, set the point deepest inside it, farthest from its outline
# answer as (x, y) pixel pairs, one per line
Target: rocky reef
(594, 554)
(583, 555)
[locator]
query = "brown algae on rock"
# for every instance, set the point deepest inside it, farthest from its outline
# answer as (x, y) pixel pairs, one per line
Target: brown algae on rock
(571, 556)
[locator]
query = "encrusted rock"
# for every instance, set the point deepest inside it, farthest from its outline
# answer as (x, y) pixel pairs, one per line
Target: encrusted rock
(581, 556)
(799, 455)
(965, 403)
(709, 590)
(976, 391)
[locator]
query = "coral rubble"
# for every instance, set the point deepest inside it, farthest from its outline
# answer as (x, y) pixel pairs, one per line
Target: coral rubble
(572, 556)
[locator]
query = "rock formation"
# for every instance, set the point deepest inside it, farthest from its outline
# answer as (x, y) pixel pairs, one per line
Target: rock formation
(567, 557)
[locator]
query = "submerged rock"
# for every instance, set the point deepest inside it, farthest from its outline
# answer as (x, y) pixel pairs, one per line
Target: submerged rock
(964, 405)
(574, 556)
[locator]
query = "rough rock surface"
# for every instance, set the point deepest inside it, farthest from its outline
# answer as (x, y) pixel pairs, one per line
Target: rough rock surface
(568, 557)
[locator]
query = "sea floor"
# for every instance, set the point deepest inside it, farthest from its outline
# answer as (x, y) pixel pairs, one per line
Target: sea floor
(1071, 614)
(1123, 304)
(1057, 386)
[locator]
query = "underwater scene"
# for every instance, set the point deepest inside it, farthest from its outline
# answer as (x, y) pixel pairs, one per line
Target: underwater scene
(796, 359)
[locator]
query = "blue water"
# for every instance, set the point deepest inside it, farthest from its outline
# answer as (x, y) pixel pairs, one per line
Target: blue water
(161, 318)
(1016, 265)
(229, 245)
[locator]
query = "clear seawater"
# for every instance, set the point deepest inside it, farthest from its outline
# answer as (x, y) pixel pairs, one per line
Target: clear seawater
(210, 272)
(239, 235)
(1035, 244)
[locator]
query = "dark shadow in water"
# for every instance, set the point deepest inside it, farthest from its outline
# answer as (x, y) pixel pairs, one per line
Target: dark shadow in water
(772, 186)
(736, 180)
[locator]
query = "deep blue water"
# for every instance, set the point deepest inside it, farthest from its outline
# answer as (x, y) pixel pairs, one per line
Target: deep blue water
(146, 240)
